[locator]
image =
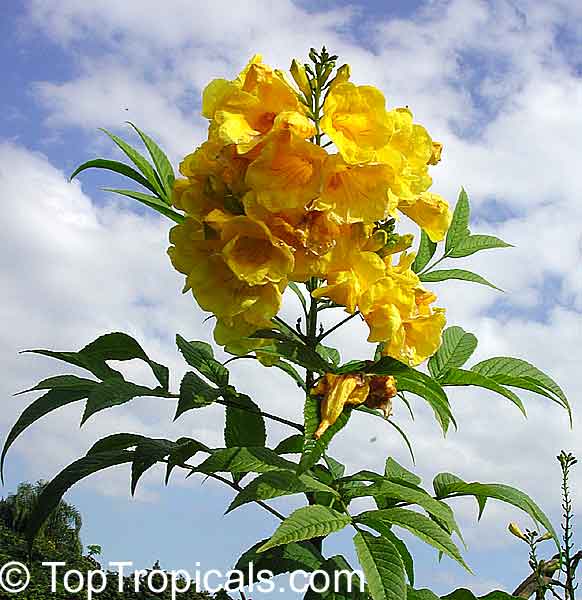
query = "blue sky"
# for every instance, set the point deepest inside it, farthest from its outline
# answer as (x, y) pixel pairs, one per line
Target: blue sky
(498, 82)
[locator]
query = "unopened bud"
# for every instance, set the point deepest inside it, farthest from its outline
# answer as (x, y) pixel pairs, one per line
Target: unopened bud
(342, 76)
(545, 537)
(300, 77)
(516, 531)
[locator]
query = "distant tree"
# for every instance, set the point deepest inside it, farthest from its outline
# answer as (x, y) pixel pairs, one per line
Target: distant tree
(63, 526)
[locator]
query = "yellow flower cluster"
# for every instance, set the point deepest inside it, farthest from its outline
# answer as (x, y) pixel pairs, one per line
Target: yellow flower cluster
(265, 204)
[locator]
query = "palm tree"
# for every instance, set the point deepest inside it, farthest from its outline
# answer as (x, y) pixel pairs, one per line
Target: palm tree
(62, 527)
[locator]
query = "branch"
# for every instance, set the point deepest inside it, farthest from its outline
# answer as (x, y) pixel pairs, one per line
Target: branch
(337, 326)
(233, 485)
(263, 414)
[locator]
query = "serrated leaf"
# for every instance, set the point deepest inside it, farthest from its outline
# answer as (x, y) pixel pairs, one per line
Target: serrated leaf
(244, 425)
(397, 492)
(52, 400)
(184, 450)
(416, 382)
(405, 555)
(346, 584)
(457, 347)
(116, 441)
(422, 594)
(460, 274)
(395, 471)
(62, 382)
(382, 566)
(501, 367)
(417, 524)
(275, 484)
(281, 559)
(476, 243)
(113, 392)
(139, 161)
(53, 492)
(307, 523)
(313, 449)
(116, 167)
(442, 482)
(200, 356)
(298, 353)
(330, 355)
(244, 460)
(147, 453)
(459, 377)
(291, 445)
(426, 250)
(151, 202)
(459, 228)
(111, 346)
(506, 494)
(165, 171)
(194, 393)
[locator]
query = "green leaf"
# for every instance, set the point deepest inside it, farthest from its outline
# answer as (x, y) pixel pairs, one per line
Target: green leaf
(506, 494)
(426, 251)
(330, 355)
(404, 553)
(200, 356)
(244, 460)
(194, 393)
(386, 490)
(417, 524)
(275, 484)
(111, 346)
(476, 243)
(416, 382)
(382, 566)
(281, 559)
(53, 493)
(151, 202)
(163, 166)
(116, 167)
(52, 400)
(291, 445)
(500, 368)
(113, 392)
(298, 353)
(461, 274)
(457, 377)
(307, 523)
(63, 382)
(140, 162)
(313, 449)
(244, 426)
(442, 482)
(396, 472)
(459, 228)
(147, 454)
(456, 348)
(184, 449)
(115, 442)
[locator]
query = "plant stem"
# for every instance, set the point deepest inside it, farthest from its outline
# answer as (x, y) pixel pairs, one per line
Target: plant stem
(337, 325)
(262, 413)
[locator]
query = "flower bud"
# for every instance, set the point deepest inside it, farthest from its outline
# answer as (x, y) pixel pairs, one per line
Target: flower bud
(342, 76)
(516, 531)
(545, 537)
(300, 77)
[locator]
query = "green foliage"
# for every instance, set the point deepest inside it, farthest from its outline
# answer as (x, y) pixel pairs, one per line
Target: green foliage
(400, 501)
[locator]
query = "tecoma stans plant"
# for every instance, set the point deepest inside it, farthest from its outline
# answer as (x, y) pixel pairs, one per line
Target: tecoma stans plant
(299, 188)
